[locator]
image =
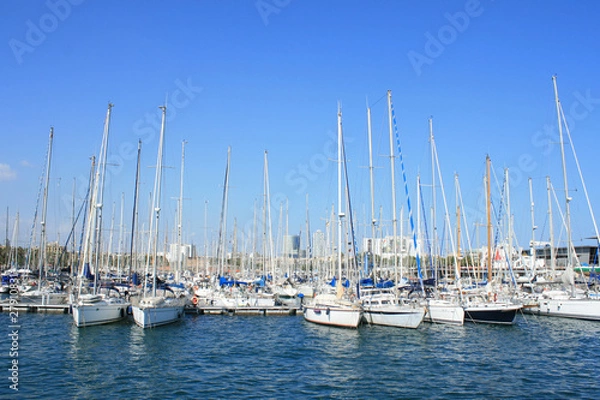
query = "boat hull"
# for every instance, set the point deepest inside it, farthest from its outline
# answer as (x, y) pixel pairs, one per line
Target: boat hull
(148, 315)
(399, 317)
(345, 317)
(99, 313)
(586, 309)
(443, 312)
(501, 314)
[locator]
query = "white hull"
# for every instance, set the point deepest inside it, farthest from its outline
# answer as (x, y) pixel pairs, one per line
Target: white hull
(341, 315)
(399, 316)
(43, 298)
(100, 312)
(157, 311)
(587, 309)
(444, 312)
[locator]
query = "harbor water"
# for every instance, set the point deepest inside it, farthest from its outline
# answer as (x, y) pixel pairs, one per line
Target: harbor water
(285, 357)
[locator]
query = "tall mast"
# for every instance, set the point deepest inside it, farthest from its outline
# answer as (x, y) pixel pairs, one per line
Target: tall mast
(121, 231)
(206, 238)
(458, 232)
(393, 177)
(339, 205)
(372, 187)
(268, 226)
(488, 205)
(134, 214)
(156, 201)
(434, 243)
(180, 258)
(42, 258)
(533, 227)
(308, 254)
(223, 222)
(551, 223)
(509, 214)
(566, 184)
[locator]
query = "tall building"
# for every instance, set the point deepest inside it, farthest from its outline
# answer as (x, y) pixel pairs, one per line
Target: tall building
(291, 246)
(319, 245)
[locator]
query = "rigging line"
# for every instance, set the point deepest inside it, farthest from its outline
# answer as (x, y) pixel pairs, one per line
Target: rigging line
(587, 197)
(410, 213)
(427, 241)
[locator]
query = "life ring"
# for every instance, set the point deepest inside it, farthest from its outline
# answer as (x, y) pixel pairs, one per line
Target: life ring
(195, 300)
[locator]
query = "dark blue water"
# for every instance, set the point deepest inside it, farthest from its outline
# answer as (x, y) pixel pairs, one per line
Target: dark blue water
(257, 357)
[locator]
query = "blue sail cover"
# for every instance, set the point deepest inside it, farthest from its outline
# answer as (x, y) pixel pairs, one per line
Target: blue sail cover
(87, 272)
(345, 282)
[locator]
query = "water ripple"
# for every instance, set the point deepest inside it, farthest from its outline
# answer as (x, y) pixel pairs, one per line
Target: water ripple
(255, 357)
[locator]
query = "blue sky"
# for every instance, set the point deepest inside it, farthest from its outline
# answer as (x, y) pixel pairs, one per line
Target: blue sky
(268, 75)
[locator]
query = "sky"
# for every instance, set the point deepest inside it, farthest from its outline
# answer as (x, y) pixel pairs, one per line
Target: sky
(268, 75)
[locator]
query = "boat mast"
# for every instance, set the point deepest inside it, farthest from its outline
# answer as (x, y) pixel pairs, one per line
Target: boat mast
(223, 222)
(533, 227)
(564, 167)
(134, 214)
(154, 222)
(488, 205)
(434, 243)
(121, 231)
(340, 211)
(372, 187)
(393, 177)
(98, 198)
(551, 223)
(42, 258)
(180, 257)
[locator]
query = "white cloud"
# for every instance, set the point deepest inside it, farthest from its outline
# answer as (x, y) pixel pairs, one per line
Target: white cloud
(25, 163)
(7, 173)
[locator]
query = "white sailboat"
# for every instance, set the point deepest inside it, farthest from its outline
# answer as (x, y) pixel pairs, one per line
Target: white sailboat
(382, 306)
(569, 302)
(328, 308)
(100, 305)
(442, 308)
(153, 309)
(44, 293)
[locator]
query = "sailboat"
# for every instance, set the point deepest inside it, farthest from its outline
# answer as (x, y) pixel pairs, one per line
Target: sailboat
(101, 304)
(328, 308)
(444, 308)
(153, 309)
(482, 308)
(382, 306)
(43, 293)
(570, 302)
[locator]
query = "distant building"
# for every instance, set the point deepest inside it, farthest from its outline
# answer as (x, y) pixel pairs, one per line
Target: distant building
(291, 246)
(384, 247)
(585, 254)
(319, 245)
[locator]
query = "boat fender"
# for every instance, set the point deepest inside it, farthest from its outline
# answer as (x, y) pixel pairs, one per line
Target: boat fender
(121, 313)
(495, 297)
(327, 312)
